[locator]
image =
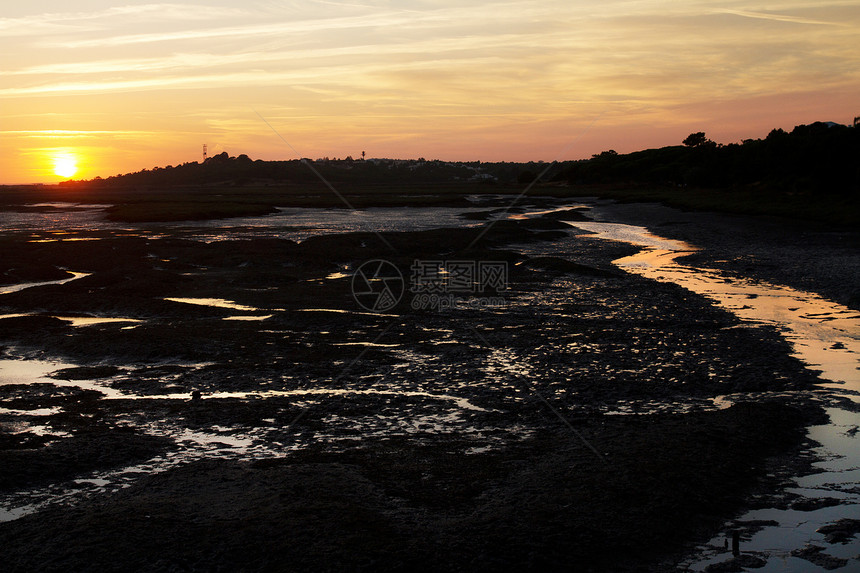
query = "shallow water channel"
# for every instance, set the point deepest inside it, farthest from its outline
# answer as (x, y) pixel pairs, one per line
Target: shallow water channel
(826, 337)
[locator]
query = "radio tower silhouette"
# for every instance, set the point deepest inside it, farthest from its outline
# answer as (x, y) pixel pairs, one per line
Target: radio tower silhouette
(204, 153)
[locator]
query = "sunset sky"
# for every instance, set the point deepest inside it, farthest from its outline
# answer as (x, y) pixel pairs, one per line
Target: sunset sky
(98, 87)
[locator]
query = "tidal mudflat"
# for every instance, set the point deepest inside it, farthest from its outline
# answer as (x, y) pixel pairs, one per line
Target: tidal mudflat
(213, 397)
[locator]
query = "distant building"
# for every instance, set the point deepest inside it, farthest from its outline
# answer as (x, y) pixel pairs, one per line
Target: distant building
(482, 177)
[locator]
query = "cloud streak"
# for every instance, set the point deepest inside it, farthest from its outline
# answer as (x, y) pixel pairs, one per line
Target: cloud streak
(248, 31)
(73, 133)
(781, 18)
(33, 24)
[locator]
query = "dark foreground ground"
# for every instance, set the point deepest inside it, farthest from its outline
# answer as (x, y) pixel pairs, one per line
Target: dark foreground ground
(546, 504)
(537, 476)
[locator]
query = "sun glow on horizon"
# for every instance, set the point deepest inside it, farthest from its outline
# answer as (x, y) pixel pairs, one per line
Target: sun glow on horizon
(124, 86)
(65, 164)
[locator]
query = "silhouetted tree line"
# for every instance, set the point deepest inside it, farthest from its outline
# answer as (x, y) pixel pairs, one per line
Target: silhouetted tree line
(216, 169)
(242, 170)
(821, 157)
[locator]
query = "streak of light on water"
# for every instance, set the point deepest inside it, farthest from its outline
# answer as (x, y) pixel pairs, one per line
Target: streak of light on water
(77, 321)
(340, 311)
(214, 302)
(531, 214)
(367, 344)
(33, 412)
(92, 320)
(337, 275)
(65, 239)
(7, 289)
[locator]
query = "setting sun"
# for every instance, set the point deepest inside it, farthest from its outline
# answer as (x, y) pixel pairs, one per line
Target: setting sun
(65, 164)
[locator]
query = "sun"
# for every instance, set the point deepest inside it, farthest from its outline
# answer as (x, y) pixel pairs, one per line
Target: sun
(65, 164)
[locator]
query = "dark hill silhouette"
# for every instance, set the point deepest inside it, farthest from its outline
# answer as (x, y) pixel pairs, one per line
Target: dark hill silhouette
(820, 158)
(242, 170)
(812, 172)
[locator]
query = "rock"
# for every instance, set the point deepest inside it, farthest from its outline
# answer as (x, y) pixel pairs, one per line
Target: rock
(558, 264)
(814, 555)
(737, 564)
(86, 372)
(812, 504)
(841, 531)
(544, 224)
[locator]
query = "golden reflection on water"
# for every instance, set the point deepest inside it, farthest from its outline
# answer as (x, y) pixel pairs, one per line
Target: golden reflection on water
(824, 335)
(216, 302)
(21, 286)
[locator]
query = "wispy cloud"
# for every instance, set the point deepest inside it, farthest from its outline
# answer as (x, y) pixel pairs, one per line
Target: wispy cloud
(302, 56)
(305, 24)
(36, 23)
(248, 31)
(780, 17)
(74, 133)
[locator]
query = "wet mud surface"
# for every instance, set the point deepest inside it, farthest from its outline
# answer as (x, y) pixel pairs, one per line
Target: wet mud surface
(578, 423)
(393, 504)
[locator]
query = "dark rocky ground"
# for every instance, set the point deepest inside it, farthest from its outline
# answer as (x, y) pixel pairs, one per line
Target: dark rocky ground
(391, 481)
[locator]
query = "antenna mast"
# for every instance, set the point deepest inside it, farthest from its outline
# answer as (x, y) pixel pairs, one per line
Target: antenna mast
(205, 155)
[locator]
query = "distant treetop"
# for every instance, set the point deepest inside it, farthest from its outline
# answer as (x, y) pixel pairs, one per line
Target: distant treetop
(697, 139)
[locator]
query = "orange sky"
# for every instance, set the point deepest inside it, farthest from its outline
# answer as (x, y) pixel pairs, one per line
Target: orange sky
(109, 87)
